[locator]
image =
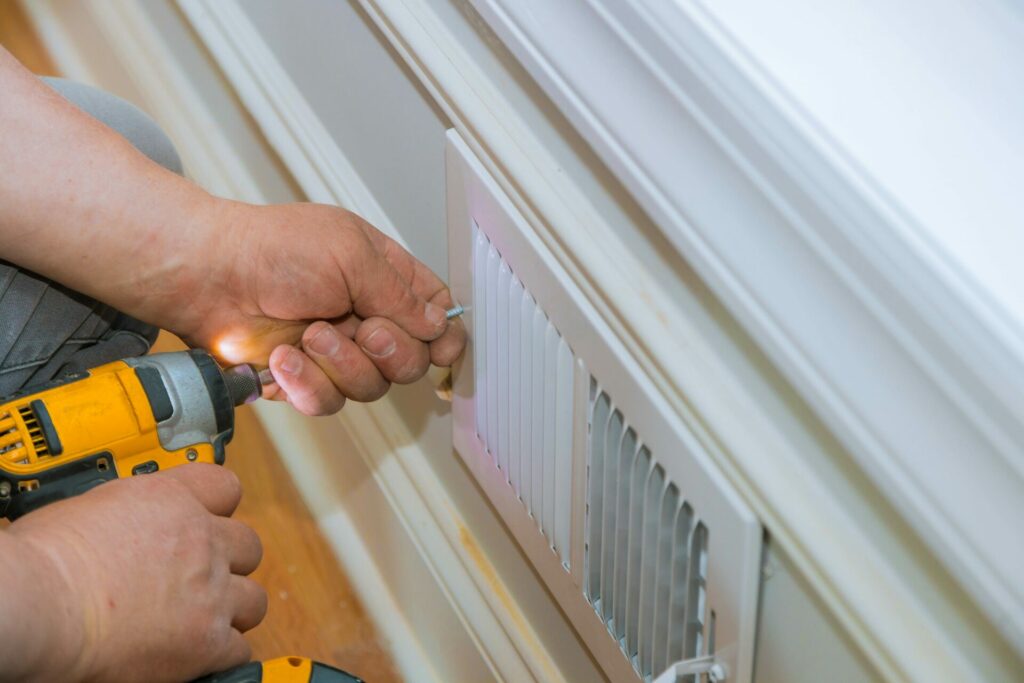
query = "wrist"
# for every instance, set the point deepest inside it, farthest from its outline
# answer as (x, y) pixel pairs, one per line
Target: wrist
(180, 266)
(45, 628)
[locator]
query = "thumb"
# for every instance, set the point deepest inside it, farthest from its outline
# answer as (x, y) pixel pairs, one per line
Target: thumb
(388, 295)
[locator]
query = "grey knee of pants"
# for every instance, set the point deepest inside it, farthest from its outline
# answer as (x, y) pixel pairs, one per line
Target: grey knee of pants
(47, 330)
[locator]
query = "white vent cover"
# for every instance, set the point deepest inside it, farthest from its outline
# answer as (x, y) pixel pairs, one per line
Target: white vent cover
(645, 545)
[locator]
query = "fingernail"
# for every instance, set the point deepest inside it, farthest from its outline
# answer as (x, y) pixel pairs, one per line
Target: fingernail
(292, 362)
(436, 315)
(325, 341)
(380, 343)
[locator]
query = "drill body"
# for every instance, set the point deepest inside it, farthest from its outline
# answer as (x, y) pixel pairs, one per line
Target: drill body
(125, 418)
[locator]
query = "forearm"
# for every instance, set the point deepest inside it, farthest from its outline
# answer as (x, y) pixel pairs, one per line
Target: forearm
(42, 630)
(82, 206)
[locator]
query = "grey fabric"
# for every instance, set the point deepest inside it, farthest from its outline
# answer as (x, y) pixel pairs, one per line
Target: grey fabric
(47, 330)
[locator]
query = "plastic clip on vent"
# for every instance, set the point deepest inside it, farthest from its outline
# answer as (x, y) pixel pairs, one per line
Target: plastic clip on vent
(646, 551)
(524, 393)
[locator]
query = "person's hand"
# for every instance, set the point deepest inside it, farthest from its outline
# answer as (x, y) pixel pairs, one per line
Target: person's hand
(337, 309)
(150, 577)
(334, 307)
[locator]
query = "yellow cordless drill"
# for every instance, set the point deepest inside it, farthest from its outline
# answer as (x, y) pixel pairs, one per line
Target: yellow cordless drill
(127, 418)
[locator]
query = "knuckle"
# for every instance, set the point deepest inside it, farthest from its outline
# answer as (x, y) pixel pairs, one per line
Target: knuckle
(444, 354)
(328, 404)
(157, 482)
(210, 635)
(164, 490)
(262, 601)
(374, 392)
(202, 524)
(255, 545)
(229, 482)
(201, 538)
(413, 368)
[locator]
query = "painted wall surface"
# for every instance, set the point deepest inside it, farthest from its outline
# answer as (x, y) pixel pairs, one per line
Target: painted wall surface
(796, 639)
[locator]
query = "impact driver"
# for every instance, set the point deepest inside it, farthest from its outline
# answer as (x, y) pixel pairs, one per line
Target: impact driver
(127, 418)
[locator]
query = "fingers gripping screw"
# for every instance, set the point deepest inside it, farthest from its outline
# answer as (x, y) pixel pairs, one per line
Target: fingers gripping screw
(266, 378)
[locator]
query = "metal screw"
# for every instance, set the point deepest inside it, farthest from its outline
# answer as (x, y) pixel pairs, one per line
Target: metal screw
(191, 454)
(5, 489)
(454, 312)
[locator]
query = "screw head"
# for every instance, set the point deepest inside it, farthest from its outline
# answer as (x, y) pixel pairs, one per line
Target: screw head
(5, 489)
(191, 454)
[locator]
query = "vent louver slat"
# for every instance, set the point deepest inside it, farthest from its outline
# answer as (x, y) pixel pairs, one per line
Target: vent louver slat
(491, 314)
(516, 382)
(563, 447)
(646, 549)
(480, 344)
(524, 393)
(536, 431)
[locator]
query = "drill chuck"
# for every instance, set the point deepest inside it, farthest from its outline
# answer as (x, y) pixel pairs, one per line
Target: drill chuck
(243, 383)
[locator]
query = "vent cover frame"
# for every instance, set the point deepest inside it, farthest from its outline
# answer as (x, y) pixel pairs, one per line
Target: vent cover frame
(734, 534)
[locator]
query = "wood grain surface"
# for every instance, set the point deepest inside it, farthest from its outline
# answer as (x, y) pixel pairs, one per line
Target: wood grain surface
(314, 611)
(20, 39)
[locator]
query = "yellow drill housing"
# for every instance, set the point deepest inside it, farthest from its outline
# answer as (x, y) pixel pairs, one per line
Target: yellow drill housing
(124, 418)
